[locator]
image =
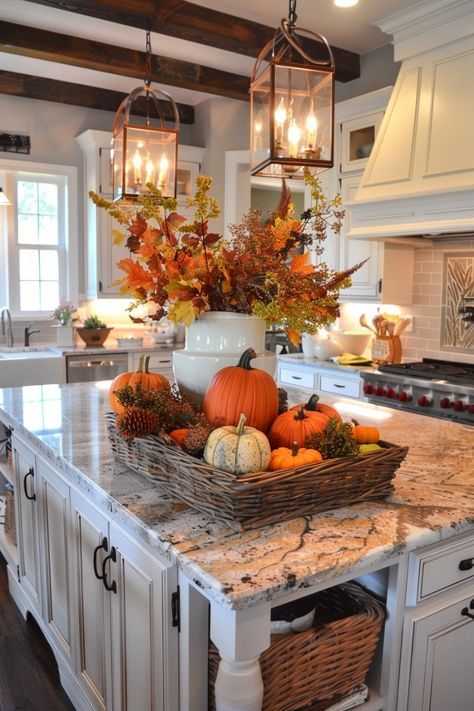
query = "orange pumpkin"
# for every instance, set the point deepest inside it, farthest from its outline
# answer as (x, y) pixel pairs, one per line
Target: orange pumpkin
(365, 434)
(241, 388)
(148, 381)
(284, 458)
(313, 405)
(296, 427)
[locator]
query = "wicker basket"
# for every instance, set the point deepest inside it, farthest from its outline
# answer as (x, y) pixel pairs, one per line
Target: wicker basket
(10, 522)
(253, 500)
(318, 667)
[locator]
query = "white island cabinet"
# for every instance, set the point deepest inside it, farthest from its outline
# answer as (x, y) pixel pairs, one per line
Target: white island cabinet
(129, 586)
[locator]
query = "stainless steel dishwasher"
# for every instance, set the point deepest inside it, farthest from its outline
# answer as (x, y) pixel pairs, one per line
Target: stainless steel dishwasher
(86, 368)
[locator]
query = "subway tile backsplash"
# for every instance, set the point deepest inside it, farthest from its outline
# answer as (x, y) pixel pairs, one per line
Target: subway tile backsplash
(443, 273)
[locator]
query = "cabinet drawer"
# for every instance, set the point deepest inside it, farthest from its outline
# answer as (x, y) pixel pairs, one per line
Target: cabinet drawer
(441, 569)
(161, 362)
(299, 378)
(339, 386)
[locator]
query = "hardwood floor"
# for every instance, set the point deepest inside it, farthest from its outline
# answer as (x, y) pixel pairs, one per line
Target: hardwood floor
(29, 679)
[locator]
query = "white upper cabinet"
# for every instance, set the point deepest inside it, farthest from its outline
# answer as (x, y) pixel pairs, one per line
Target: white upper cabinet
(103, 251)
(357, 138)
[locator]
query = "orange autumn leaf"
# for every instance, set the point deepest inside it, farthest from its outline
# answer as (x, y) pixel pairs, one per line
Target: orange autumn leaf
(293, 336)
(300, 264)
(282, 230)
(148, 242)
(137, 276)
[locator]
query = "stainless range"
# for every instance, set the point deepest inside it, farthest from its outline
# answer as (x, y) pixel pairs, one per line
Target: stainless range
(429, 387)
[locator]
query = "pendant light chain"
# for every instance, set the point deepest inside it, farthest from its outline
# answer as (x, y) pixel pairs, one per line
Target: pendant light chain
(292, 17)
(148, 75)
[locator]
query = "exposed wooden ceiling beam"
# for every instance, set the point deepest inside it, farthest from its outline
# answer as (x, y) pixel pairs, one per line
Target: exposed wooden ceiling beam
(195, 23)
(32, 87)
(55, 47)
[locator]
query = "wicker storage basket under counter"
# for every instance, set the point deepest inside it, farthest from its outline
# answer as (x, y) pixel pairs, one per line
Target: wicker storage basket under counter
(318, 667)
(249, 501)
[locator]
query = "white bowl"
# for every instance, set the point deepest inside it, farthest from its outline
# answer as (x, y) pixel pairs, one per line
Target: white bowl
(353, 342)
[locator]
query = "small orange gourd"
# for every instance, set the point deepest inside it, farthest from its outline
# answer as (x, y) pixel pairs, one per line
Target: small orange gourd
(296, 427)
(313, 405)
(365, 434)
(284, 458)
(178, 436)
(142, 376)
(241, 388)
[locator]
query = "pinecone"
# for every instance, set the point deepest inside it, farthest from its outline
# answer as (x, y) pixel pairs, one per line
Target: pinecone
(197, 436)
(336, 440)
(137, 422)
(282, 400)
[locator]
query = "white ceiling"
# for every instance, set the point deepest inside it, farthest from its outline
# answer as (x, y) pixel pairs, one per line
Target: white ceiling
(349, 28)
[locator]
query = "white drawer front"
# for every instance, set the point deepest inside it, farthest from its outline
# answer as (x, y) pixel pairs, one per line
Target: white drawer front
(161, 362)
(442, 570)
(299, 378)
(339, 386)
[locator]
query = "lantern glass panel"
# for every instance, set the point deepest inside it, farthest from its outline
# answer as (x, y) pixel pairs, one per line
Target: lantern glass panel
(296, 103)
(144, 155)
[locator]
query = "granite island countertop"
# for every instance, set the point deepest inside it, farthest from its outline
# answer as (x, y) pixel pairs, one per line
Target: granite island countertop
(433, 498)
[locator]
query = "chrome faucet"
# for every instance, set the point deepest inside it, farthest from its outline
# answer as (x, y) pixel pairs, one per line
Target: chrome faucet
(8, 332)
(29, 332)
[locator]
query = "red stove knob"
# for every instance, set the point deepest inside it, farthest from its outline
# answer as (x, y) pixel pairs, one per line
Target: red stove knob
(368, 389)
(392, 393)
(445, 403)
(424, 401)
(459, 406)
(380, 391)
(404, 396)
(470, 409)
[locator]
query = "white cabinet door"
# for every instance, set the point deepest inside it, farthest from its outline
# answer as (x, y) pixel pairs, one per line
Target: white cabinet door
(27, 523)
(110, 252)
(144, 641)
(92, 603)
(55, 539)
(387, 275)
(442, 657)
(365, 281)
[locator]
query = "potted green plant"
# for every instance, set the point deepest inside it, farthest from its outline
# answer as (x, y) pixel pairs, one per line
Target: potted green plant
(94, 332)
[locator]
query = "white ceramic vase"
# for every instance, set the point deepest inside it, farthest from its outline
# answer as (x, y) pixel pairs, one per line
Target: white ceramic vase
(215, 340)
(65, 334)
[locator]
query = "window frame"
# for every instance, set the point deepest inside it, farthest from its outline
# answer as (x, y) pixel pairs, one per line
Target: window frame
(65, 177)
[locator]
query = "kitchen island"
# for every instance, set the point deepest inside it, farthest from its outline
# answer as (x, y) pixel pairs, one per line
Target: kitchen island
(407, 548)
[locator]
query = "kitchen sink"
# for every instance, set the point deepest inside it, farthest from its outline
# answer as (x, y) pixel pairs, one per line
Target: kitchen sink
(23, 355)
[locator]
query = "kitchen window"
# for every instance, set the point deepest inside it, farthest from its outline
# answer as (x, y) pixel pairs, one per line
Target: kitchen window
(39, 239)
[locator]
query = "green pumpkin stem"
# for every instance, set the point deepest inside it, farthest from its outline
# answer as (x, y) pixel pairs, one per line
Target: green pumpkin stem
(245, 359)
(143, 364)
(312, 403)
(239, 430)
(294, 449)
(300, 414)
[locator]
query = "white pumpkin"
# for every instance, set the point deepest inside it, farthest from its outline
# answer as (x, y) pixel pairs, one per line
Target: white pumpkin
(239, 450)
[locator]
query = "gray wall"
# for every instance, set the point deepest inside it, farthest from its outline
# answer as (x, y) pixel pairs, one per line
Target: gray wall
(377, 70)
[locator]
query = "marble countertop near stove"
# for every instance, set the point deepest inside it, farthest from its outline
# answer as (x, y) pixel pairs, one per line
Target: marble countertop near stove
(433, 498)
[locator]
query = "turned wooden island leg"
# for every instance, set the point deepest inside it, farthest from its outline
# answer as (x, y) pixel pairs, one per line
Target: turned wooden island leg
(240, 636)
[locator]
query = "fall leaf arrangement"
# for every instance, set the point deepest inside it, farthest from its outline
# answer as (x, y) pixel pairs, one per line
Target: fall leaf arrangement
(182, 269)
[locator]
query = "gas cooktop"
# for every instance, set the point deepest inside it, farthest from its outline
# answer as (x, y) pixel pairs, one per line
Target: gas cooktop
(456, 373)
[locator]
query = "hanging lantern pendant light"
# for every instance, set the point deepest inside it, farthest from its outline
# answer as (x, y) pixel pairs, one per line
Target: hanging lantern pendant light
(145, 149)
(291, 105)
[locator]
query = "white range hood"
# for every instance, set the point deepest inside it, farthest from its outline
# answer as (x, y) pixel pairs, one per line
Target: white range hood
(419, 180)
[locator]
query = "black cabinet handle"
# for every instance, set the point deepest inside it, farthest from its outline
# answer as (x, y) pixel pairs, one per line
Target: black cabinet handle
(465, 610)
(466, 564)
(29, 473)
(102, 546)
(297, 377)
(112, 587)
